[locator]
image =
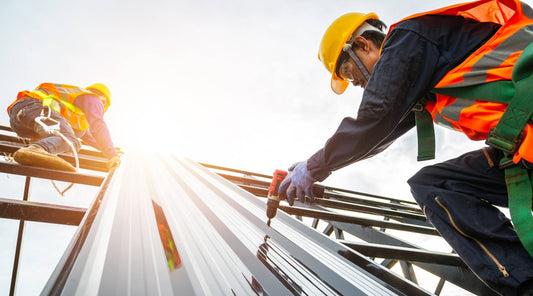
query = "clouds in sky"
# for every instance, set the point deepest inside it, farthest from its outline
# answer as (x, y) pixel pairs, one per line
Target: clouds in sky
(234, 83)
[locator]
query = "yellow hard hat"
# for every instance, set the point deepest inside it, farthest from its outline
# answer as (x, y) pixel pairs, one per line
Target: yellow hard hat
(102, 91)
(336, 36)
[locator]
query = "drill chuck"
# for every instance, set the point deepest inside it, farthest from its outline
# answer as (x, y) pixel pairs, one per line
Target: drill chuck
(272, 207)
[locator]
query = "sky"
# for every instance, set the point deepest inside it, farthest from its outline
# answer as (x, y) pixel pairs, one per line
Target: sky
(232, 83)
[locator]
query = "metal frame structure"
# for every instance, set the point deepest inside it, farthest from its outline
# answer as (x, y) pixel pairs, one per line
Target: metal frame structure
(160, 225)
(24, 210)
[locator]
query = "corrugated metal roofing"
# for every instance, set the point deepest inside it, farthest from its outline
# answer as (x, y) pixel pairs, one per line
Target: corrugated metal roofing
(166, 225)
(380, 228)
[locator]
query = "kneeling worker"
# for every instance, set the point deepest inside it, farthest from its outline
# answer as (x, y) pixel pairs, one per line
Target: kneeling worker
(469, 67)
(80, 114)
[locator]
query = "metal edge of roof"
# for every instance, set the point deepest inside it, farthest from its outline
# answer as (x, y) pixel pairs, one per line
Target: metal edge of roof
(166, 225)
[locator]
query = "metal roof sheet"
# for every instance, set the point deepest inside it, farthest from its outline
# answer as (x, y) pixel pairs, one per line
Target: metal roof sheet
(167, 225)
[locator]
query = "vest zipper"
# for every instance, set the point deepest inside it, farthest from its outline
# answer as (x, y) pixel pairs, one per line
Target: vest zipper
(500, 267)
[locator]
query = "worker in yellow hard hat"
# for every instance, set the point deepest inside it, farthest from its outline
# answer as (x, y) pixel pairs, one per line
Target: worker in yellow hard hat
(463, 66)
(79, 113)
(336, 49)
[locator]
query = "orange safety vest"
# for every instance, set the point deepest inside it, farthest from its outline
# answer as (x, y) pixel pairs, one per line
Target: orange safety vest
(493, 61)
(59, 97)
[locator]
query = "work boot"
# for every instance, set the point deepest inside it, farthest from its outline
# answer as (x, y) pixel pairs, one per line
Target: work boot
(36, 156)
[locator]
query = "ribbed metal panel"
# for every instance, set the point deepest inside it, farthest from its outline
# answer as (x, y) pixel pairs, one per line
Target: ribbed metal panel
(168, 226)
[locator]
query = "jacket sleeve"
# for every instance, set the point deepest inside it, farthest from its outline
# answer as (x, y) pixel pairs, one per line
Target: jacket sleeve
(99, 136)
(403, 75)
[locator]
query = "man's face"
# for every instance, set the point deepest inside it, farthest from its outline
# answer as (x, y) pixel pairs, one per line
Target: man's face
(368, 53)
(349, 71)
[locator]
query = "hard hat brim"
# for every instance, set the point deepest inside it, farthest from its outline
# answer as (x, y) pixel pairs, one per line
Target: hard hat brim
(338, 85)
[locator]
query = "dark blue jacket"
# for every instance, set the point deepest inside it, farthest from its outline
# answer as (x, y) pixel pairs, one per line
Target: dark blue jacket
(415, 57)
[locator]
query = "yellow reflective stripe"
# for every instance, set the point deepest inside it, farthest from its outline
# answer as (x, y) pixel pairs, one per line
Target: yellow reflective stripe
(53, 102)
(48, 100)
(72, 108)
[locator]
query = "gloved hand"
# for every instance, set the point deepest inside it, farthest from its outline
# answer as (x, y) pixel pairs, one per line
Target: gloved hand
(298, 183)
(119, 151)
(114, 161)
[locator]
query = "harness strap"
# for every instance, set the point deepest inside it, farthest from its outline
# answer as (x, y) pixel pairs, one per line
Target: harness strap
(519, 189)
(501, 91)
(508, 132)
(425, 132)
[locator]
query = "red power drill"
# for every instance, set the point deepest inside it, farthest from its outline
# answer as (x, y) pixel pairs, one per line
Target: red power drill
(273, 194)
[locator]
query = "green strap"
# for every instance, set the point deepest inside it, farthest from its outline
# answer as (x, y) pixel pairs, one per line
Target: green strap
(519, 190)
(425, 133)
(507, 133)
(501, 91)
(509, 130)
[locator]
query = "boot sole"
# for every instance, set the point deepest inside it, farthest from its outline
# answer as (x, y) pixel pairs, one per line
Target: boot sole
(49, 161)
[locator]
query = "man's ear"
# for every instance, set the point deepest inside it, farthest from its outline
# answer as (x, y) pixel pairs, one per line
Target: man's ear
(362, 43)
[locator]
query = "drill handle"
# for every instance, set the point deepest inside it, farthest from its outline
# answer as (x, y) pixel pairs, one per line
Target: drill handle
(277, 178)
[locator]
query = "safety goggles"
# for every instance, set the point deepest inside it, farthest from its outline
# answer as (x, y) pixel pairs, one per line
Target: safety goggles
(341, 68)
(348, 53)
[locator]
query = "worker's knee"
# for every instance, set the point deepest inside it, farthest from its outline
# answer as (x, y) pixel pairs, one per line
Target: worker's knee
(420, 178)
(421, 188)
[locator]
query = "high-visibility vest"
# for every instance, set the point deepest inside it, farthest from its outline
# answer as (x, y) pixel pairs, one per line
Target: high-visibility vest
(492, 62)
(59, 97)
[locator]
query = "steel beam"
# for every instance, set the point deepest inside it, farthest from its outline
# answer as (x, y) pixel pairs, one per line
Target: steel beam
(260, 188)
(23, 170)
(356, 220)
(18, 248)
(40, 212)
(405, 254)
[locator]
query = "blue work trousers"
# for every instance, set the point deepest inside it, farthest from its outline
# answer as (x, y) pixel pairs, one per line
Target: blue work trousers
(22, 121)
(459, 197)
